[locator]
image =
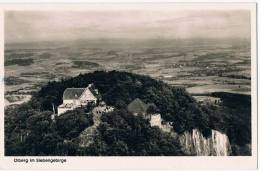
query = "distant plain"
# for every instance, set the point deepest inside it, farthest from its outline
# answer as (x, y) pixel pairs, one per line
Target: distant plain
(201, 66)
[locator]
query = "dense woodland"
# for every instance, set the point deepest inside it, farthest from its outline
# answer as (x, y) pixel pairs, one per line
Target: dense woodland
(29, 129)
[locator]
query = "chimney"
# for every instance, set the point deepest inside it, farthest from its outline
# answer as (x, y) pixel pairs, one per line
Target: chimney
(90, 85)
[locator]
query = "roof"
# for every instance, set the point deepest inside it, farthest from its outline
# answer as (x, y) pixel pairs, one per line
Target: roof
(73, 93)
(137, 106)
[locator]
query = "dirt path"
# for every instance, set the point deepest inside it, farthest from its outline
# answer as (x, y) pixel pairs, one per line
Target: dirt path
(87, 136)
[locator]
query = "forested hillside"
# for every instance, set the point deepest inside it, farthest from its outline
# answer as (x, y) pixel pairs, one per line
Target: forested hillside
(29, 129)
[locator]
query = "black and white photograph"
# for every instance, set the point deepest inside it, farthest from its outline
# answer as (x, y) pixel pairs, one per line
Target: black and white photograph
(128, 82)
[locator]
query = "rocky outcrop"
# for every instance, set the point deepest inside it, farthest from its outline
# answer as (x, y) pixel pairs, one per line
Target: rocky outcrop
(194, 143)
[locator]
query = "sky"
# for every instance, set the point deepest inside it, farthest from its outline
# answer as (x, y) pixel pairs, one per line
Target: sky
(37, 26)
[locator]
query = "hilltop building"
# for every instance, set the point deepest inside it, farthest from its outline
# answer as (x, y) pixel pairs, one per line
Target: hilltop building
(137, 106)
(150, 112)
(76, 97)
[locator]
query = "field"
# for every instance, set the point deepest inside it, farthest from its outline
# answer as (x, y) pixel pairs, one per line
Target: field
(201, 66)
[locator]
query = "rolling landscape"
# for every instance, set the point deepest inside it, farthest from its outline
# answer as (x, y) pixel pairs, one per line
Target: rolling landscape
(206, 67)
(115, 82)
(217, 77)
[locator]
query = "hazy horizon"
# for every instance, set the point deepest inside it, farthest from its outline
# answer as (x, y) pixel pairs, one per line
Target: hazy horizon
(48, 26)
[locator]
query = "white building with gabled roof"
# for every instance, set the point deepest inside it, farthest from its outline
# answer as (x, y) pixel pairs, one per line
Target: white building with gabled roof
(76, 97)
